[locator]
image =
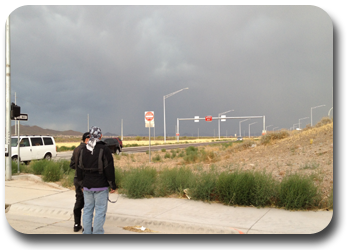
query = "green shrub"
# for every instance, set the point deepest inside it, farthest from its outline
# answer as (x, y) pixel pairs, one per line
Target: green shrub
(52, 172)
(330, 200)
(264, 191)
(191, 149)
(38, 167)
(119, 174)
(68, 179)
(156, 158)
(22, 167)
(239, 188)
(64, 165)
(174, 180)
(246, 188)
(131, 145)
(173, 154)
(192, 155)
(181, 154)
(139, 182)
(167, 155)
(204, 187)
(298, 192)
(65, 148)
(163, 150)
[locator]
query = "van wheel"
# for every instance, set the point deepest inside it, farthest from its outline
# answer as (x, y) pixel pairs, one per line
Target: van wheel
(14, 158)
(47, 157)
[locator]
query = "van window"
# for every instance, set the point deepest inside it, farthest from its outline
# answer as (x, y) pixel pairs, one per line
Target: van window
(14, 142)
(36, 141)
(24, 142)
(48, 141)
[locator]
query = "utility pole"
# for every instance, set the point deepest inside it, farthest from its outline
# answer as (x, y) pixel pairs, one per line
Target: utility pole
(122, 130)
(8, 167)
(15, 120)
(88, 127)
(165, 97)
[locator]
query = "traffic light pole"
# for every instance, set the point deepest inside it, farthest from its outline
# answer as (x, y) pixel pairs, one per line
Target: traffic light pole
(8, 167)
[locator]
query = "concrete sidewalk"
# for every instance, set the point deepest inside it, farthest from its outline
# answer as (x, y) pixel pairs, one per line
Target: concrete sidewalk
(46, 208)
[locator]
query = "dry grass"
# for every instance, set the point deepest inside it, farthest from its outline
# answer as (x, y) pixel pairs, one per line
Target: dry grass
(146, 142)
(67, 144)
(137, 229)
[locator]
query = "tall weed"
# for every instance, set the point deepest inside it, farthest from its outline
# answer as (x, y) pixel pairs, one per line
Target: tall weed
(139, 182)
(204, 187)
(265, 139)
(298, 192)
(68, 179)
(38, 167)
(246, 188)
(52, 172)
(174, 180)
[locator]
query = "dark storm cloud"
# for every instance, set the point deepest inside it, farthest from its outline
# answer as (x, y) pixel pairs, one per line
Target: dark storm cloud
(116, 62)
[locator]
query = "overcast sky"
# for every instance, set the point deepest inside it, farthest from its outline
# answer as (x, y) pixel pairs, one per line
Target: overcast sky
(116, 62)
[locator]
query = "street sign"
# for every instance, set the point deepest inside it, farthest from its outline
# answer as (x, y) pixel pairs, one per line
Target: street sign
(149, 119)
(22, 117)
(177, 134)
(196, 119)
(223, 118)
(149, 116)
(208, 118)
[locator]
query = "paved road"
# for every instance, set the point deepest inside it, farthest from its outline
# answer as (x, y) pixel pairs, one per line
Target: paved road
(129, 150)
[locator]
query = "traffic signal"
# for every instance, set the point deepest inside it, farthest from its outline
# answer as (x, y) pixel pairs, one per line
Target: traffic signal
(15, 111)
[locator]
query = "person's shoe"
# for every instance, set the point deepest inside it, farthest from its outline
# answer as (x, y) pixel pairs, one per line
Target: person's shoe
(77, 227)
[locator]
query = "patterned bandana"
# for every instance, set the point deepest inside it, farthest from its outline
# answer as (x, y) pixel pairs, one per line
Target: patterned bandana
(95, 134)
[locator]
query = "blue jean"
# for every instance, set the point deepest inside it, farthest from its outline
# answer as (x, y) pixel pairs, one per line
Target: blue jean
(95, 200)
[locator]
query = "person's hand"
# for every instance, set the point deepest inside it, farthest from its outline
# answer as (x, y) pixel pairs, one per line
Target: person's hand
(112, 190)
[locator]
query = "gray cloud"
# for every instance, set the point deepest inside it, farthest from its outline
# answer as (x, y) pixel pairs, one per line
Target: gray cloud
(116, 62)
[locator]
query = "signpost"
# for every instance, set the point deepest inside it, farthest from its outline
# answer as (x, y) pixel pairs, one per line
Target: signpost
(149, 123)
(21, 117)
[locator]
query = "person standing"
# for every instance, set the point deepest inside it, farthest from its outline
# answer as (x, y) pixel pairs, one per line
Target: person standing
(96, 171)
(79, 196)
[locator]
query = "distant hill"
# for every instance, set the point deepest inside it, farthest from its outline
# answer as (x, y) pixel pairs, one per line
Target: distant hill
(35, 130)
(109, 134)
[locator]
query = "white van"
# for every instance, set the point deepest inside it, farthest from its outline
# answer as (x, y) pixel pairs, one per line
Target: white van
(33, 147)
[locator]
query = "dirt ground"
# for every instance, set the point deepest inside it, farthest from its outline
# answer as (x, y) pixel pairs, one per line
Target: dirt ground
(309, 152)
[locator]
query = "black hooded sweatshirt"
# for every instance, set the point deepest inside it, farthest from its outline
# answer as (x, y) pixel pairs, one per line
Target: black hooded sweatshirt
(93, 178)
